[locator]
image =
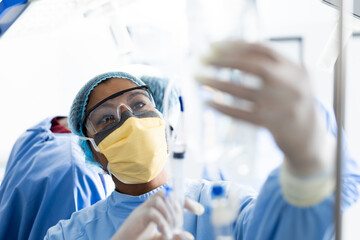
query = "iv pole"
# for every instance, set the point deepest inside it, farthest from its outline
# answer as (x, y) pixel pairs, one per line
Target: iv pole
(339, 106)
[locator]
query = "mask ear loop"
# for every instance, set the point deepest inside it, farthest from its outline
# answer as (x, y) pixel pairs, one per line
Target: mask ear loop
(98, 150)
(108, 164)
(108, 169)
(92, 141)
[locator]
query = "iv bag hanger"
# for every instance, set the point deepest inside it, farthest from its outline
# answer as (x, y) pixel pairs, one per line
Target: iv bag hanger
(339, 107)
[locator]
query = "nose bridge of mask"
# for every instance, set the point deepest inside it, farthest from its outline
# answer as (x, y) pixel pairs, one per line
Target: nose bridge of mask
(133, 127)
(125, 115)
(91, 141)
(100, 136)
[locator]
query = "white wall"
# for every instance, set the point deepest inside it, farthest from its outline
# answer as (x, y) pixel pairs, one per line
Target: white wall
(52, 50)
(41, 71)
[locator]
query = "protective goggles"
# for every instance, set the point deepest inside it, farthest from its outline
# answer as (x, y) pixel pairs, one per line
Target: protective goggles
(107, 112)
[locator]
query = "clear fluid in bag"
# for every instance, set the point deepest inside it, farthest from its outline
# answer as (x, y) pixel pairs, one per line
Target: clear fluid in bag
(228, 145)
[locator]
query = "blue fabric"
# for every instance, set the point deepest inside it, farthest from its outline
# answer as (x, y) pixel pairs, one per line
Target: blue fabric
(158, 87)
(46, 180)
(103, 219)
(267, 216)
(10, 10)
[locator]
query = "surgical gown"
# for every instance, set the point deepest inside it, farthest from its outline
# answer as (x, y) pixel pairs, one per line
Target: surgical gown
(266, 216)
(46, 180)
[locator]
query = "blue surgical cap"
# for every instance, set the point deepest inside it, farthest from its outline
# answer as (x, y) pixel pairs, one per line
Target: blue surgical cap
(157, 87)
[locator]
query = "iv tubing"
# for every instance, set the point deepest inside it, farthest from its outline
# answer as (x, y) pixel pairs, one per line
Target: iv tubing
(166, 112)
(176, 148)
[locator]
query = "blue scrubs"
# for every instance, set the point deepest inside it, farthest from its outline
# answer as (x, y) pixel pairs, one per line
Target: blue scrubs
(46, 180)
(266, 216)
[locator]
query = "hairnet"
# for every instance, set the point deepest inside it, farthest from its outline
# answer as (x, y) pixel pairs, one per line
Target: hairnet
(157, 87)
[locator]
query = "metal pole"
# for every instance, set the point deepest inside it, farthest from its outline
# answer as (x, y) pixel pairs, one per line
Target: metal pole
(339, 102)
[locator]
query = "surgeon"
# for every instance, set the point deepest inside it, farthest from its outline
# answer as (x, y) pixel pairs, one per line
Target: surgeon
(46, 180)
(115, 115)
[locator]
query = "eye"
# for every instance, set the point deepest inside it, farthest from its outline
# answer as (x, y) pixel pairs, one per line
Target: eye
(106, 119)
(138, 106)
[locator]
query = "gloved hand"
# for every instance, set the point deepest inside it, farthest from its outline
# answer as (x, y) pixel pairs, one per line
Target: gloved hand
(153, 220)
(284, 103)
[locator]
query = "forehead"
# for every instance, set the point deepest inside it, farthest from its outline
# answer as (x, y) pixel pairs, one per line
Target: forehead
(108, 88)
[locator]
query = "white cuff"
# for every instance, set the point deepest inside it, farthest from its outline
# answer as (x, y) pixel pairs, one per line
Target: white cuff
(304, 191)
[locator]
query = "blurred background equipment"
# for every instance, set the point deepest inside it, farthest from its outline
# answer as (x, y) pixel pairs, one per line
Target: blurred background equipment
(10, 10)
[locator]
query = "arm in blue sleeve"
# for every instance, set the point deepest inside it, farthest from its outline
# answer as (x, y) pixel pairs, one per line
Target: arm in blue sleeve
(271, 216)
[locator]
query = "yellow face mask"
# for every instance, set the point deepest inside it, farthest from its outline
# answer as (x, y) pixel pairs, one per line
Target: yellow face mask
(136, 150)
